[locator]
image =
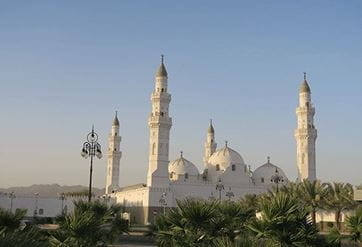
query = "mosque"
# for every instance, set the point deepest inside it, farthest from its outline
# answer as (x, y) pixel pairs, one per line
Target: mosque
(225, 175)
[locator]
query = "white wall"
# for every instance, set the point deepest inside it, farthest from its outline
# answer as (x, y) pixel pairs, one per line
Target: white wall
(51, 206)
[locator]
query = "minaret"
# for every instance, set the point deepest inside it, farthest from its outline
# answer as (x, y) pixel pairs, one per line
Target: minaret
(210, 144)
(114, 157)
(159, 124)
(306, 134)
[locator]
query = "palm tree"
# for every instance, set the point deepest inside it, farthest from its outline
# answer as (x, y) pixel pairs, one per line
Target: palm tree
(339, 199)
(250, 201)
(290, 188)
(89, 224)
(9, 221)
(283, 222)
(11, 233)
(30, 236)
(231, 219)
(354, 226)
(200, 222)
(312, 195)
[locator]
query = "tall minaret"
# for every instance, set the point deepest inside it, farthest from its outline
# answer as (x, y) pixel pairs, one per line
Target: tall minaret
(210, 144)
(114, 157)
(159, 124)
(306, 134)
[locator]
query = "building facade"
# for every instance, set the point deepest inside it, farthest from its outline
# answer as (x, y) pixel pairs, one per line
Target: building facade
(306, 134)
(225, 174)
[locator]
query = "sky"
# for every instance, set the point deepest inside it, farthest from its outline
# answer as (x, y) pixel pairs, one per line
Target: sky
(65, 65)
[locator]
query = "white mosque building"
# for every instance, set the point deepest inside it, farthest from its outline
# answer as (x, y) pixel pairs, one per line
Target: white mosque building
(225, 174)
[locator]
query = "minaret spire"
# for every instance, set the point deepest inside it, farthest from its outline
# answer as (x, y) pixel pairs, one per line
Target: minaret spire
(114, 157)
(306, 134)
(115, 120)
(159, 124)
(210, 144)
(162, 72)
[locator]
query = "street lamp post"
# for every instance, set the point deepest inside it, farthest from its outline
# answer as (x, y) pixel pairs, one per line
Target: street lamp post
(62, 198)
(36, 204)
(163, 202)
(277, 179)
(12, 197)
(219, 187)
(91, 148)
(229, 194)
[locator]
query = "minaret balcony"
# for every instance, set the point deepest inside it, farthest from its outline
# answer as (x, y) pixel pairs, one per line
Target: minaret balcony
(160, 119)
(164, 96)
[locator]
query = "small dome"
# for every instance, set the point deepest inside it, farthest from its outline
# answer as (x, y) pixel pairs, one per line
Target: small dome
(182, 166)
(225, 157)
(304, 88)
(264, 173)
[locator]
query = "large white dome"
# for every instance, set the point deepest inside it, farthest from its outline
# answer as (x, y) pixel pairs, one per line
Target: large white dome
(181, 166)
(263, 174)
(225, 157)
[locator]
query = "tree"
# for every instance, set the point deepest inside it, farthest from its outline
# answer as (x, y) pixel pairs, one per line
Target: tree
(250, 201)
(354, 226)
(11, 233)
(89, 224)
(339, 199)
(9, 222)
(283, 222)
(311, 195)
(200, 223)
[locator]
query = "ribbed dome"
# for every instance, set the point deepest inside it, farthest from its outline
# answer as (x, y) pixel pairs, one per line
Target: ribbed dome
(225, 157)
(182, 166)
(304, 88)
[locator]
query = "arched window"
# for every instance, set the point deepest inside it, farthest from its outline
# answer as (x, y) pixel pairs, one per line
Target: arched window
(162, 114)
(153, 148)
(186, 175)
(171, 175)
(233, 167)
(262, 180)
(162, 90)
(217, 167)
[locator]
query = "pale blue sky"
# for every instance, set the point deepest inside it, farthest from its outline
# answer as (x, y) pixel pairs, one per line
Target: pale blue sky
(65, 65)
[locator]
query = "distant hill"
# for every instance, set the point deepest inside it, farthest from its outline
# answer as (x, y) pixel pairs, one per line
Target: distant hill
(49, 190)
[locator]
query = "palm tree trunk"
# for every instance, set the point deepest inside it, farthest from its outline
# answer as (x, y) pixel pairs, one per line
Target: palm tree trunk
(314, 216)
(337, 217)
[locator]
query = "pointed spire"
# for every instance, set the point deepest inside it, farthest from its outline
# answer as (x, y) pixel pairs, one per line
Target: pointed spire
(181, 154)
(211, 128)
(226, 143)
(268, 159)
(304, 88)
(161, 72)
(115, 120)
